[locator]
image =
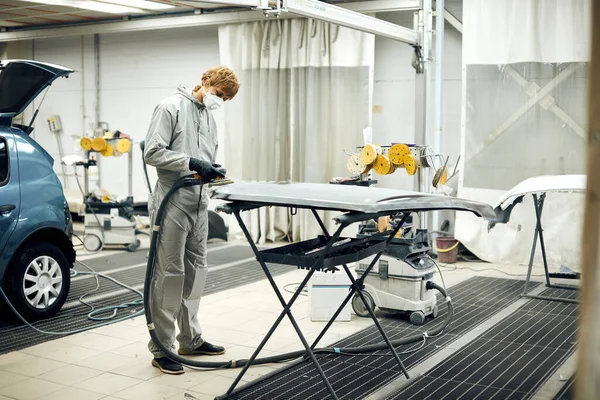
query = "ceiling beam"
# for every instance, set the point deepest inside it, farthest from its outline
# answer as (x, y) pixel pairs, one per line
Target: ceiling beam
(145, 24)
(452, 20)
(351, 19)
(324, 11)
(378, 6)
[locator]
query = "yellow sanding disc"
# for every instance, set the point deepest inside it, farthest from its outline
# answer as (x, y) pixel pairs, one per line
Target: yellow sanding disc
(409, 164)
(98, 144)
(382, 165)
(392, 168)
(369, 153)
(107, 151)
(444, 177)
(86, 143)
(397, 152)
(436, 177)
(123, 145)
(356, 166)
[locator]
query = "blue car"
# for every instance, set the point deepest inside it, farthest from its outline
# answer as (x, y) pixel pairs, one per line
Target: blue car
(36, 251)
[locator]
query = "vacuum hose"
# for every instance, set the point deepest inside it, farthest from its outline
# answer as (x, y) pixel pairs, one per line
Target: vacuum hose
(194, 180)
(142, 147)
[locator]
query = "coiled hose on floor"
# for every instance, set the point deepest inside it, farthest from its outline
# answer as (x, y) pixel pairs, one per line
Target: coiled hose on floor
(194, 180)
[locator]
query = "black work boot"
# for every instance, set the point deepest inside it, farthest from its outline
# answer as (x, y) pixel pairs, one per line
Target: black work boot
(168, 366)
(206, 349)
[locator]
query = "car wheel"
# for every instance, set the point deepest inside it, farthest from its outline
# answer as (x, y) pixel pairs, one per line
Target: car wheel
(39, 281)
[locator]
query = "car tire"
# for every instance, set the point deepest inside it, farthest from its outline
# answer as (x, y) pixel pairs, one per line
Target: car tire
(39, 274)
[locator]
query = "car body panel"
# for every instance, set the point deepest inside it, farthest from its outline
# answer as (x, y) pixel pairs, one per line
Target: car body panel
(10, 190)
(21, 81)
(345, 198)
(536, 185)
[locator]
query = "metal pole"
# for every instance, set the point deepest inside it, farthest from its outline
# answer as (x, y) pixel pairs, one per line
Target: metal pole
(438, 95)
(426, 81)
(420, 100)
(130, 166)
(97, 96)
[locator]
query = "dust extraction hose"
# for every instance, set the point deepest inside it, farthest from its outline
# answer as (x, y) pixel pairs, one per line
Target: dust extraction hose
(194, 180)
(143, 147)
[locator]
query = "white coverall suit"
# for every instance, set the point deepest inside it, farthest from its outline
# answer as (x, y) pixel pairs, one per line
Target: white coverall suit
(181, 128)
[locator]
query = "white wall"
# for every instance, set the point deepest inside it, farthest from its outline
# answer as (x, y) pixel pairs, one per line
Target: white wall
(137, 70)
(396, 91)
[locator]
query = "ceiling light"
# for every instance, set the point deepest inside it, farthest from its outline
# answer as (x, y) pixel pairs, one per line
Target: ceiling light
(91, 5)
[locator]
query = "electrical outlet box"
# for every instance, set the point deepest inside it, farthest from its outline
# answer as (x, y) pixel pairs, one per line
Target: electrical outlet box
(54, 124)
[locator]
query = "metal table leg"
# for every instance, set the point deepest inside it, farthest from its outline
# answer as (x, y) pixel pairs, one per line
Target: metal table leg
(286, 309)
(357, 288)
(539, 232)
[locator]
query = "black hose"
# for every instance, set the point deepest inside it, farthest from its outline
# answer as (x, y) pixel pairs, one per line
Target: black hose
(143, 146)
(192, 180)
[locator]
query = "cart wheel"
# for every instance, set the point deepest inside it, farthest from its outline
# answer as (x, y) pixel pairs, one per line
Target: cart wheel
(92, 242)
(435, 311)
(134, 246)
(359, 307)
(417, 318)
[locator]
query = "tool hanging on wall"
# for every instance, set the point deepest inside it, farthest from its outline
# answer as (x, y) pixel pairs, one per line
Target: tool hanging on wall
(107, 151)
(410, 164)
(383, 165)
(356, 166)
(369, 153)
(108, 145)
(398, 155)
(442, 175)
(385, 160)
(397, 152)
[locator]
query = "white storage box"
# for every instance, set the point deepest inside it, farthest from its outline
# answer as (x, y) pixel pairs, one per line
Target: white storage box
(326, 292)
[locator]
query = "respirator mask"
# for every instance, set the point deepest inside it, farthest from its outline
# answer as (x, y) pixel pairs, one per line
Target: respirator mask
(211, 101)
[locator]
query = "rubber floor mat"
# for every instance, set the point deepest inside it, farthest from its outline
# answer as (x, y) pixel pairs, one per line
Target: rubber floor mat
(509, 361)
(216, 255)
(355, 377)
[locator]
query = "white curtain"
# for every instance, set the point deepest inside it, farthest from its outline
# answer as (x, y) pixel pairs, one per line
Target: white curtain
(304, 98)
(526, 115)
(514, 31)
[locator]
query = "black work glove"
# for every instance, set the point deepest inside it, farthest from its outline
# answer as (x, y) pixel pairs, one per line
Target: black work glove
(206, 170)
(220, 168)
